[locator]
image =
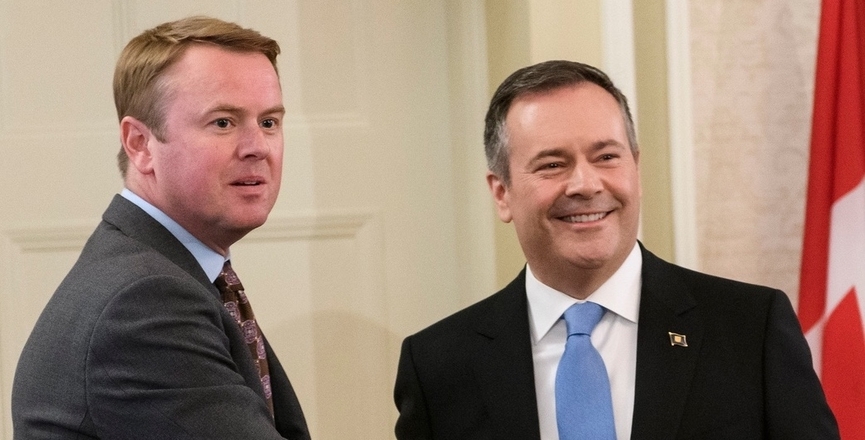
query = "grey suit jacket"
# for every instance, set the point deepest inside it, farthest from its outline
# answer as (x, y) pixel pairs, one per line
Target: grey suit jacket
(745, 374)
(136, 344)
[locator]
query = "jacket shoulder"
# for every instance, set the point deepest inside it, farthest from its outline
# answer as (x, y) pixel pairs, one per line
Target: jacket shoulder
(659, 275)
(503, 306)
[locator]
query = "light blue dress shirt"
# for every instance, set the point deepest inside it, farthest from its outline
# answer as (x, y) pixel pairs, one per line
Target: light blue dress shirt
(209, 260)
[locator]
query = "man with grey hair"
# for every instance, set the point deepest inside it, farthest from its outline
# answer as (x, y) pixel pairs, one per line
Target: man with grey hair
(597, 338)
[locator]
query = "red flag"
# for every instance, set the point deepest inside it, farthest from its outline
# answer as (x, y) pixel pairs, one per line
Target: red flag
(832, 284)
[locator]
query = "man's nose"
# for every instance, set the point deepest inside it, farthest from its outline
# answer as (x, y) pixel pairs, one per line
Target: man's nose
(584, 181)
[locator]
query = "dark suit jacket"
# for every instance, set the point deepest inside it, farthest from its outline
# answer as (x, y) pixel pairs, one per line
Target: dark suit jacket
(136, 344)
(745, 374)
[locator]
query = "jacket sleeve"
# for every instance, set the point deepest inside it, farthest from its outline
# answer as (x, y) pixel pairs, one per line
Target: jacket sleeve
(413, 422)
(796, 407)
(160, 365)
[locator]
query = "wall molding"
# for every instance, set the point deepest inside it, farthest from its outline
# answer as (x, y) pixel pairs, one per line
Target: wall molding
(682, 179)
(617, 27)
(73, 236)
(312, 226)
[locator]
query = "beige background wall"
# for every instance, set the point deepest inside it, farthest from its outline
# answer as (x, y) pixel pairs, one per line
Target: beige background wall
(384, 224)
(753, 78)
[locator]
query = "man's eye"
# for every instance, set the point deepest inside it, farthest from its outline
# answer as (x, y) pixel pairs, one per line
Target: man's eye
(222, 123)
(268, 123)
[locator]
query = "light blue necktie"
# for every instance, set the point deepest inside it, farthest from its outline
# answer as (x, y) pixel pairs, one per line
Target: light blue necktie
(584, 407)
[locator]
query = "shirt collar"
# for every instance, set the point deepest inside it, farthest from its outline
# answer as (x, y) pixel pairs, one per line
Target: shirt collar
(209, 260)
(620, 294)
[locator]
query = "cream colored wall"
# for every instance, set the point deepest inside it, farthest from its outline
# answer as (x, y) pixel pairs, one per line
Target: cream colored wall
(475, 231)
(508, 48)
(382, 225)
(654, 127)
(384, 166)
(753, 73)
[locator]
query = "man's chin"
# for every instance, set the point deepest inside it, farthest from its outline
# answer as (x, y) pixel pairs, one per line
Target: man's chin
(593, 259)
(240, 227)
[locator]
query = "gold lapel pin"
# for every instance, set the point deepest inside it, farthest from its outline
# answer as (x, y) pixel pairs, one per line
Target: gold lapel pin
(677, 339)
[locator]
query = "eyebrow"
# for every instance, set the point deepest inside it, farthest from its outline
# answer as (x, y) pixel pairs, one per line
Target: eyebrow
(559, 152)
(276, 109)
(237, 110)
(600, 145)
(549, 152)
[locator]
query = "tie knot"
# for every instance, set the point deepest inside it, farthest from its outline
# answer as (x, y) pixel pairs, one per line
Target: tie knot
(227, 278)
(581, 318)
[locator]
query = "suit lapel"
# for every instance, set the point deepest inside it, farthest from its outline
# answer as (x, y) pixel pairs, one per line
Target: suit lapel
(664, 370)
(504, 366)
(137, 224)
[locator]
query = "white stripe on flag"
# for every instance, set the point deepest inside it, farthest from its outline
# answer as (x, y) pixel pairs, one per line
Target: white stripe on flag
(846, 262)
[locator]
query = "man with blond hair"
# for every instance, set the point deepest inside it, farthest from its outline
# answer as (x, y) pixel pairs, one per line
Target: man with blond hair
(151, 335)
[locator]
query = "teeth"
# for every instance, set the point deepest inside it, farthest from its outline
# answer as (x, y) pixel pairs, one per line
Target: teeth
(583, 218)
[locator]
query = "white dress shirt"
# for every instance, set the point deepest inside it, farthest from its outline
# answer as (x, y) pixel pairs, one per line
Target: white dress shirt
(615, 338)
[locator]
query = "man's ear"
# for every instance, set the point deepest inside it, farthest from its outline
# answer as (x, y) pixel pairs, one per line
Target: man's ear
(499, 191)
(135, 137)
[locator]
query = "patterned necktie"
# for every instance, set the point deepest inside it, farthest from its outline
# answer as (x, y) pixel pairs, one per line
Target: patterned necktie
(238, 307)
(584, 407)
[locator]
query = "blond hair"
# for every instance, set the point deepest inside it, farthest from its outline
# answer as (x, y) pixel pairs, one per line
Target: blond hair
(139, 82)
